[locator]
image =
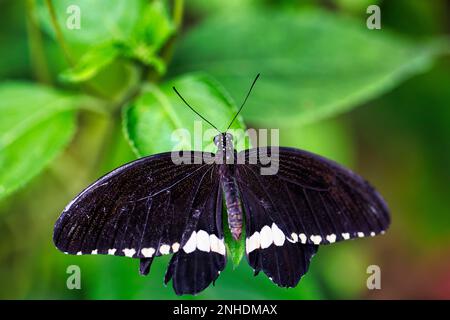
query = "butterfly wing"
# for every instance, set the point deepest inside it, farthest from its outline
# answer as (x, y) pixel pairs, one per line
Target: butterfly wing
(152, 207)
(309, 201)
(193, 270)
(283, 262)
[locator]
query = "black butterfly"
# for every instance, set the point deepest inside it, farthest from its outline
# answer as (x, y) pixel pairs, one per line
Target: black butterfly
(153, 206)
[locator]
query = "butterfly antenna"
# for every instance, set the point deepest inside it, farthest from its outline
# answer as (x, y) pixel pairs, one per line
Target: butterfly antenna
(174, 89)
(245, 100)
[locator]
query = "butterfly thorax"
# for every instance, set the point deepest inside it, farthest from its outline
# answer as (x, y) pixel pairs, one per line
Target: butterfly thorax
(226, 153)
(225, 148)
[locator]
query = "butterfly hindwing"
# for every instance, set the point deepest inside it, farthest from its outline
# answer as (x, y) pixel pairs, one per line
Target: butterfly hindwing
(267, 248)
(204, 257)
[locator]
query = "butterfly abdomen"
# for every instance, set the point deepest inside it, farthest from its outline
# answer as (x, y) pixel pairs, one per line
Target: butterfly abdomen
(232, 200)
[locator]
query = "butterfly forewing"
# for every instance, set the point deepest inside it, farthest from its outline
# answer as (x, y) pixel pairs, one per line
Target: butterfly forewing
(314, 200)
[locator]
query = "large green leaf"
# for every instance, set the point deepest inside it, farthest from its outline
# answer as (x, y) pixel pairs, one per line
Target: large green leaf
(313, 64)
(157, 120)
(36, 123)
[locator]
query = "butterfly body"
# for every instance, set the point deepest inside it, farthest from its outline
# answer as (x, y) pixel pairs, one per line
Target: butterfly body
(227, 156)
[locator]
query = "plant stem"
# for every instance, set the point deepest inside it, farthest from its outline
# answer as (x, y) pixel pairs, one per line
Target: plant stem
(69, 58)
(178, 8)
(166, 51)
(37, 53)
(58, 32)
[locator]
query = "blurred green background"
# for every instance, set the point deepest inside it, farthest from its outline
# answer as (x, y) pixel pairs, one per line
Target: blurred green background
(76, 103)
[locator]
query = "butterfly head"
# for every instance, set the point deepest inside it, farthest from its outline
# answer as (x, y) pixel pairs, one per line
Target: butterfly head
(223, 139)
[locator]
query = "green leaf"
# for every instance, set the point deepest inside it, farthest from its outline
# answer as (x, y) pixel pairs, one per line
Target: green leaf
(235, 249)
(155, 26)
(152, 32)
(100, 20)
(153, 29)
(35, 125)
(329, 138)
(313, 64)
(91, 63)
(158, 121)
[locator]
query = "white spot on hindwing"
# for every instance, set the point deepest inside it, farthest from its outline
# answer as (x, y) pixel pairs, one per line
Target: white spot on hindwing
(293, 239)
(331, 238)
(175, 247)
(217, 245)
(274, 235)
(214, 243)
(129, 252)
(203, 243)
(316, 239)
(222, 249)
(94, 251)
(302, 237)
(191, 244)
(164, 249)
(148, 252)
(266, 237)
(361, 234)
(277, 235)
(346, 235)
(253, 242)
(112, 251)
